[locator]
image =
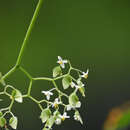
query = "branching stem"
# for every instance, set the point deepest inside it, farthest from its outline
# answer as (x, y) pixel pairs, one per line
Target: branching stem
(25, 41)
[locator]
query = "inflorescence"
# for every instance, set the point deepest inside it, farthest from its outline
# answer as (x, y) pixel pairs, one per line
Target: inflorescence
(51, 113)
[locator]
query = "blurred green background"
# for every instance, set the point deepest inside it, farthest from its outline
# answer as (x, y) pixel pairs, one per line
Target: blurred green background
(92, 34)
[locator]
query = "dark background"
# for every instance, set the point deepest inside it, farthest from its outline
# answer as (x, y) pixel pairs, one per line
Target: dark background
(93, 34)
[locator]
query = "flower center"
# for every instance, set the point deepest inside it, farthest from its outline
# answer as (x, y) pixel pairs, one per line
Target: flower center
(60, 62)
(86, 76)
(55, 105)
(63, 118)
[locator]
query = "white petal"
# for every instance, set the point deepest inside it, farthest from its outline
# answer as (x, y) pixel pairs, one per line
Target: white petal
(87, 71)
(65, 61)
(59, 58)
(58, 121)
(65, 114)
(75, 117)
(83, 73)
(57, 99)
(73, 84)
(78, 105)
(50, 93)
(63, 66)
(83, 85)
(69, 107)
(76, 86)
(44, 92)
(82, 76)
(48, 97)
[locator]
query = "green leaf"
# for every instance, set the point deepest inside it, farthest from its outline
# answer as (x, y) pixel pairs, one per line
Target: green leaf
(45, 115)
(73, 99)
(16, 94)
(82, 91)
(2, 122)
(50, 122)
(13, 122)
(66, 81)
(57, 71)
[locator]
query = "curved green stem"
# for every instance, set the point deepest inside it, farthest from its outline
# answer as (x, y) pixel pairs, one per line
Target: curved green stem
(32, 23)
(12, 102)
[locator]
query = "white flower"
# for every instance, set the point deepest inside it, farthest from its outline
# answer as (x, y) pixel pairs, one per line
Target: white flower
(61, 62)
(77, 86)
(72, 84)
(77, 117)
(58, 121)
(48, 94)
(85, 75)
(80, 84)
(78, 104)
(64, 116)
(69, 107)
(56, 103)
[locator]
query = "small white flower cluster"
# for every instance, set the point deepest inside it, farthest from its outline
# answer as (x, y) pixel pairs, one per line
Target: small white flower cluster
(73, 99)
(47, 115)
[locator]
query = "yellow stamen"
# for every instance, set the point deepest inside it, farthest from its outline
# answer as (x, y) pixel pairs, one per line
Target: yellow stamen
(63, 118)
(60, 62)
(55, 105)
(86, 76)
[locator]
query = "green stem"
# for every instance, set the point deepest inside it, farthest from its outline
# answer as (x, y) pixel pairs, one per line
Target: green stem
(36, 101)
(33, 99)
(29, 88)
(26, 73)
(9, 73)
(43, 78)
(32, 23)
(60, 92)
(60, 77)
(12, 102)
